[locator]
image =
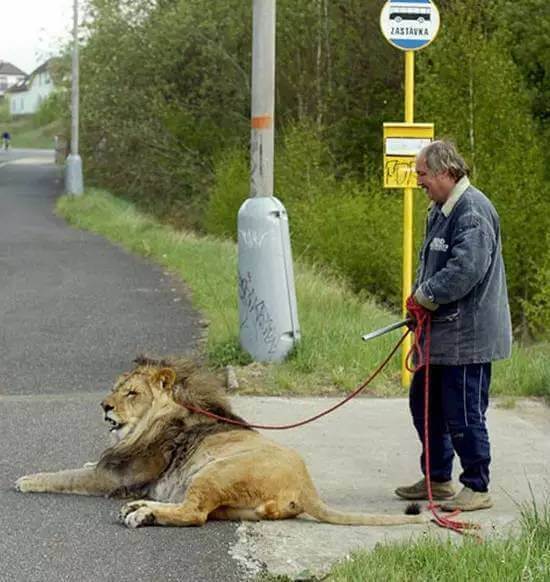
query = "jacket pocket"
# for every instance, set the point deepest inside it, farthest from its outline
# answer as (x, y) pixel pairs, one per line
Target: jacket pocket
(447, 317)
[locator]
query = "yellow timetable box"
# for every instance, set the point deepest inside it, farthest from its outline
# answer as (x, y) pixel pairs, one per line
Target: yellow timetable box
(402, 142)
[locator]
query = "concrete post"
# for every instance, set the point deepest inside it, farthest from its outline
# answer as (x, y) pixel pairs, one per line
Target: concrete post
(269, 326)
(73, 166)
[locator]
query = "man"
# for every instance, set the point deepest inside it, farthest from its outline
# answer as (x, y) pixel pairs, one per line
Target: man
(6, 137)
(461, 281)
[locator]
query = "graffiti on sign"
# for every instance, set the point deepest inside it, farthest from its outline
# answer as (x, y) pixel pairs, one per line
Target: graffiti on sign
(399, 172)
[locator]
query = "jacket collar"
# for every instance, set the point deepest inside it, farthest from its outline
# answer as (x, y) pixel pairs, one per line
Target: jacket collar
(459, 189)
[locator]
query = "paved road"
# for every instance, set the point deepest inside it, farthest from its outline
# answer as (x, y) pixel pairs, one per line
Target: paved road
(74, 311)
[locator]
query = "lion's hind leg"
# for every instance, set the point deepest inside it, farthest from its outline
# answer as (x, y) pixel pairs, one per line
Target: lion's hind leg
(235, 514)
(268, 510)
(278, 509)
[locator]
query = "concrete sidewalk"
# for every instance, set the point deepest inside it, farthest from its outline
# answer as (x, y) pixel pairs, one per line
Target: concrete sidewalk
(360, 453)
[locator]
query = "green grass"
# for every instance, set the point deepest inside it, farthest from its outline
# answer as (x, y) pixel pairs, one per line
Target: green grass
(524, 556)
(527, 373)
(331, 356)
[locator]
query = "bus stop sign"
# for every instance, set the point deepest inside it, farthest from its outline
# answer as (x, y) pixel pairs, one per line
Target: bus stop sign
(409, 25)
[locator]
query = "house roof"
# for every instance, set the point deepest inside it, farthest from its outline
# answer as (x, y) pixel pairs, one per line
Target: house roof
(45, 66)
(9, 69)
(24, 84)
(18, 87)
(41, 69)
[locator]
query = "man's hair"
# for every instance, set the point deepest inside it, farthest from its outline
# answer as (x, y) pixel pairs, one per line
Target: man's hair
(442, 156)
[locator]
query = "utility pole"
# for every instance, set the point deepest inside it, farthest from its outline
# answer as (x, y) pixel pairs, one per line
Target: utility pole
(73, 166)
(268, 315)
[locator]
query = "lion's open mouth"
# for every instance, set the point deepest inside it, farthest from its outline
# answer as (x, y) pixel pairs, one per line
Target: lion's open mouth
(114, 425)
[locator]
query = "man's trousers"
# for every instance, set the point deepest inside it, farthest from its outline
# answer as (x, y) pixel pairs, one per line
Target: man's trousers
(459, 396)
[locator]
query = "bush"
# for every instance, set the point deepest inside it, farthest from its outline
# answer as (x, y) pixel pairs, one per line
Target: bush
(538, 310)
(54, 108)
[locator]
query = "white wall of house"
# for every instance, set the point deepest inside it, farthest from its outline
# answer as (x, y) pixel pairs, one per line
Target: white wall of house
(27, 102)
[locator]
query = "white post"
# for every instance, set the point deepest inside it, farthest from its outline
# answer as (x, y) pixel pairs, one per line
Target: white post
(73, 169)
(263, 95)
(268, 313)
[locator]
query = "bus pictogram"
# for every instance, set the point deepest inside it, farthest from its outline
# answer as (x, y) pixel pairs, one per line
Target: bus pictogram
(401, 13)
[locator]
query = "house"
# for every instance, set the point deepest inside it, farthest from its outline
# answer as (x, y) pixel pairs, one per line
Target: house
(26, 96)
(10, 75)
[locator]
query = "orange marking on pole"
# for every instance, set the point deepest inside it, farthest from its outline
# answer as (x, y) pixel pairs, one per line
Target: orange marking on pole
(262, 122)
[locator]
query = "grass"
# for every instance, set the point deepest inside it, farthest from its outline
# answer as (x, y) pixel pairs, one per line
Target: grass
(513, 557)
(331, 356)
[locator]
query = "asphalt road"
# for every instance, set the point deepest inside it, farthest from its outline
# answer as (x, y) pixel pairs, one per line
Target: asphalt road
(74, 311)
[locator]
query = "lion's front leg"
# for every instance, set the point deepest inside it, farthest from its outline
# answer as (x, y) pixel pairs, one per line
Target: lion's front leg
(142, 513)
(84, 481)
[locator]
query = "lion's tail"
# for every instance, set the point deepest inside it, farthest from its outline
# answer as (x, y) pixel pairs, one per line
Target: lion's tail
(313, 505)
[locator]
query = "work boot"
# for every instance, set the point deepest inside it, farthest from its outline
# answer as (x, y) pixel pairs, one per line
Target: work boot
(468, 500)
(420, 491)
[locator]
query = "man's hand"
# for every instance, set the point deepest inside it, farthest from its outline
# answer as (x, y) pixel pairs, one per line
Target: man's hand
(415, 312)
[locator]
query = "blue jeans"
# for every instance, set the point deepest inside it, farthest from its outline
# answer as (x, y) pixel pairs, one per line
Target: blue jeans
(459, 396)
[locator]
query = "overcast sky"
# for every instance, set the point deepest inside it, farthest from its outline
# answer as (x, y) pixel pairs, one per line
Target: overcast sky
(31, 30)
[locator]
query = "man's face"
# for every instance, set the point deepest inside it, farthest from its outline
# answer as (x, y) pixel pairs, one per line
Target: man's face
(438, 187)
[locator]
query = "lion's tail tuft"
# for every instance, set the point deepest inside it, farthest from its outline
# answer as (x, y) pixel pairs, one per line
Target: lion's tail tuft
(413, 509)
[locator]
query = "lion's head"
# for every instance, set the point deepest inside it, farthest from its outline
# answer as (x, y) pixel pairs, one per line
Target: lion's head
(134, 395)
(160, 387)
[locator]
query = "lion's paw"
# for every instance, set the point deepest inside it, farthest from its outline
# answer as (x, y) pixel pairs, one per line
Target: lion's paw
(29, 483)
(137, 514)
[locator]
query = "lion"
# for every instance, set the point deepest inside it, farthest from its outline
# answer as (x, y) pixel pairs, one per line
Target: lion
(182, 468)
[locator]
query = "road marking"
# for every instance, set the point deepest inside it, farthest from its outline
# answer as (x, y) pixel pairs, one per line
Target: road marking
(32, 161)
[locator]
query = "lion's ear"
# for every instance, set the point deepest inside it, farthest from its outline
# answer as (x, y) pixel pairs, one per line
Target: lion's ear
(166, 378)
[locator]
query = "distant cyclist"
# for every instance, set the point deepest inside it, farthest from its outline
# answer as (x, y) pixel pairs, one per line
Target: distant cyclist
(6, 138)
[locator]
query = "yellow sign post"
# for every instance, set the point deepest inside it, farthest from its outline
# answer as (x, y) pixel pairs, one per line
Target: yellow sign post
(402, 141)
(409, 27)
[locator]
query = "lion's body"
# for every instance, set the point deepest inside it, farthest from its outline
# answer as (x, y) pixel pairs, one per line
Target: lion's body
(189, 467)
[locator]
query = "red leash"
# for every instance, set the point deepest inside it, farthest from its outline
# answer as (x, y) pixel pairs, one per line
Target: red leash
(423, 320)
(312, 418)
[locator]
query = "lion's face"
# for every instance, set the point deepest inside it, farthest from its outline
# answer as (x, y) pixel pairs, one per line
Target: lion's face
(133, 396)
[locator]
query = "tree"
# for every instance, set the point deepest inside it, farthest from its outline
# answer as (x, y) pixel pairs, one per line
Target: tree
(471, 73)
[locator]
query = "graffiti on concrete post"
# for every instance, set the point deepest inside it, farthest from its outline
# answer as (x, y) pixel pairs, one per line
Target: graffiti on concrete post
(257, 312)
(252, 238)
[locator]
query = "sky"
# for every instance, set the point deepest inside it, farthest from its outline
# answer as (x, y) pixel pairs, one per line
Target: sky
(31, 30)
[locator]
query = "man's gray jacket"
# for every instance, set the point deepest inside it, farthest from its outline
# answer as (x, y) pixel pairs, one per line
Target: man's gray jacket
(461, 278)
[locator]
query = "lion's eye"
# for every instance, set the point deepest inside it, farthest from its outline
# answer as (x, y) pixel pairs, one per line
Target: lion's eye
(131, 393)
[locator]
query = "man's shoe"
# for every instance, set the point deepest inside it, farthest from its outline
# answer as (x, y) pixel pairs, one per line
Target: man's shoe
(419, 490)
(468, 500)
